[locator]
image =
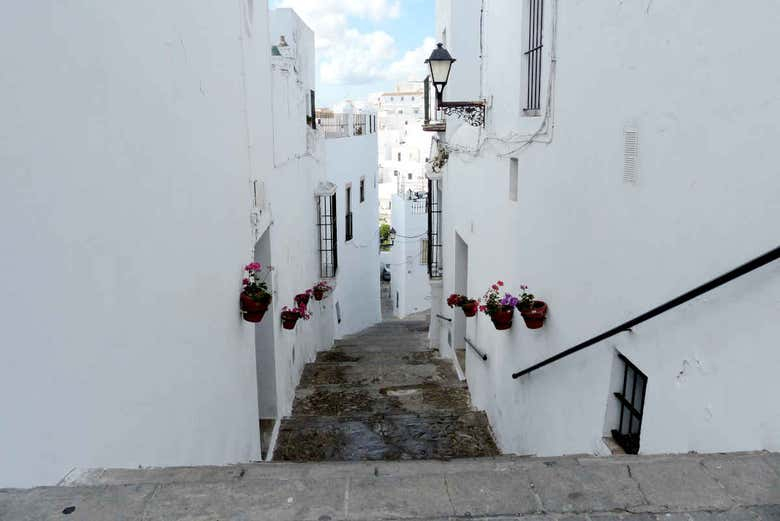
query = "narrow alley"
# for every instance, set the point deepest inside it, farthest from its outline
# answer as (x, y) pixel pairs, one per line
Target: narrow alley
(383, 394)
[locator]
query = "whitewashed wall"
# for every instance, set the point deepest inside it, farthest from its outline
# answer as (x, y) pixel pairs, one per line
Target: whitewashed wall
(409, 287)
(601, 250)
(357, 282)
(124, 206)
(299, 166)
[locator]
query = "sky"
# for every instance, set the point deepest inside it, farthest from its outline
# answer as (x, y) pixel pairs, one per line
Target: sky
(366, 46)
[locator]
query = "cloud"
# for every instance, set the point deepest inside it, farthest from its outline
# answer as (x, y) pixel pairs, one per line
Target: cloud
(348, 56)
(411, 66)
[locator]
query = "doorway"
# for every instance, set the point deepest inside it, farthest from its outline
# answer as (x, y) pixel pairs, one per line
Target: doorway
(265, 355)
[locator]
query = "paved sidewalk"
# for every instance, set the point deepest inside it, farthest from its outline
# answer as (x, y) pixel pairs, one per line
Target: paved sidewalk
(670, 488)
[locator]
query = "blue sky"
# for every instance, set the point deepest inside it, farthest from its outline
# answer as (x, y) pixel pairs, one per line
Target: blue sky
(366, 46)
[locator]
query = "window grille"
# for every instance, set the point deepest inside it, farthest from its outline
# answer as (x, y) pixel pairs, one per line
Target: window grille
(632, 402)
(424, 251)
(533, 55)
(358, 124)
(434, 230)
(326, 224)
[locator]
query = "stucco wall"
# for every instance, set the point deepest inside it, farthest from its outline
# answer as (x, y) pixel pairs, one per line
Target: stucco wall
(599, 249)
(357, 281)
(124, 208)
(299, 167)
(409, 277)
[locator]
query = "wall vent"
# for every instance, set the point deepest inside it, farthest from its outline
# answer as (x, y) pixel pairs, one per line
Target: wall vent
(630, 155)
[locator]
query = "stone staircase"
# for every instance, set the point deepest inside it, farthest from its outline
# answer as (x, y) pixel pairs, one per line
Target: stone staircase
(383, 395)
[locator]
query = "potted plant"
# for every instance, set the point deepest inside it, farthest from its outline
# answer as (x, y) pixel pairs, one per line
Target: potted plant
(255, 298)
(302, 299)
(468, 305)
(321, 289)
(499, 309)
(533, 311)
(290, 316)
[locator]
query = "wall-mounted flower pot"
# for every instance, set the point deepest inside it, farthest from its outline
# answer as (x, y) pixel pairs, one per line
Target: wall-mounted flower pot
(253, 309)
(470, 308)
(318, 294)
(535, 315)
(502, 318)
(302, 299)
(289, 319)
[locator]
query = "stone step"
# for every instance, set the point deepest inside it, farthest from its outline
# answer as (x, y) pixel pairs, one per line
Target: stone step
(386, 345)
(660, 488)
(390, 374)
(342, 401)
(392, 437)
(376, 357)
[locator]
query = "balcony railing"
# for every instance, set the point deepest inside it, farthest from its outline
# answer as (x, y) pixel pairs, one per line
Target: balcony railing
(337, 125)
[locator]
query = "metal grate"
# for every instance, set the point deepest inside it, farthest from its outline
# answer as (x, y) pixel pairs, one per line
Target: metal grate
(632, 402)
(533, 55)
(326, 223)
(434, 230)
(630, 155)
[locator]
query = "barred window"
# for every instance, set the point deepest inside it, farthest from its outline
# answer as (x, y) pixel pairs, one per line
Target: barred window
(533, 55)
(326, 223)
(424, 251)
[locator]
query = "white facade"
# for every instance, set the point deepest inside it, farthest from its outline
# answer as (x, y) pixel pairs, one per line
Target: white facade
(602, 237)
(287, 235)
(409, 287)
(125, 200)
(352, 166)
(403, 146)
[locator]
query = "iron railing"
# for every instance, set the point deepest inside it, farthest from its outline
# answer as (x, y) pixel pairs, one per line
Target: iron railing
(359, 126)
(334, 125)
(482, 355)
(533, 55)
(434, 230)
(754, 264)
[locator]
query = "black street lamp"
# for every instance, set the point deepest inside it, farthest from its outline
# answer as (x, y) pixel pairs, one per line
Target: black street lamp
(440, 63)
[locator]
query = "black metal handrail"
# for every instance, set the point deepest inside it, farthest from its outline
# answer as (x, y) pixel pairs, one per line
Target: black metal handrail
(443, 317)
(685, 297)
(482, 355)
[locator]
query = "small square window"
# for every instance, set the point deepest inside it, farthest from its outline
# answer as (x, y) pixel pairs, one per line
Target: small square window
(410, 176)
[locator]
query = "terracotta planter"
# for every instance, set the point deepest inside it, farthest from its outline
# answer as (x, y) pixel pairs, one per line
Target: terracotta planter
(289, 319)
(302, 299)
(470, 308)
(502, 319)
(534, 317)
(253, 310)
(318, 294)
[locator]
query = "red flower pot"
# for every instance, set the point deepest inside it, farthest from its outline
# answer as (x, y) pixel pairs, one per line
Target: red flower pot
(289, 319)
(318, 294)
(302, 299)
(502, 318)
(535, 315)
(470, 308)
(254, 310)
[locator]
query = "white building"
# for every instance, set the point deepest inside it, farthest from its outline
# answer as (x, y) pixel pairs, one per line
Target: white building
(403, 145)
(351, 167)
(140, 174)
(409, 288)
(630, 161)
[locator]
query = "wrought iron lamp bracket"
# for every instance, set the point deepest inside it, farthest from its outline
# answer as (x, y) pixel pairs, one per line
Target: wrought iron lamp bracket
(472, 112)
